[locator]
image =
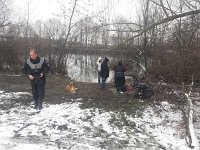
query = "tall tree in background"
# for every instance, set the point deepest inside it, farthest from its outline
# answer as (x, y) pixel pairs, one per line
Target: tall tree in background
(62, 53)
(4, 13)
(4, 22)
(168, 15)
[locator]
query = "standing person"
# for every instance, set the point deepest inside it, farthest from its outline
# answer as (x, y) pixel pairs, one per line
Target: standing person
(104, 72)
(99, 61)
(120, 77)
(36, 68)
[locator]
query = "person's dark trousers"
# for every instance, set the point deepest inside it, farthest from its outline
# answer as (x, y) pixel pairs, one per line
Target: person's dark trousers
(103, 83)
(99, 78)
(123, 87)
(38, 92)
(120, 84)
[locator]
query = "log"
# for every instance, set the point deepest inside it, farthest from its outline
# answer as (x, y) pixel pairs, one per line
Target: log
(193, 143)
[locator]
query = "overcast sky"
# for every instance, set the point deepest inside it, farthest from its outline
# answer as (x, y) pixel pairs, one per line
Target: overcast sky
(44, 9)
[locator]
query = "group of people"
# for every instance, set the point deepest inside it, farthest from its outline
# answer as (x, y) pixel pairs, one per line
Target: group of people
(36, 69)
(103, 74)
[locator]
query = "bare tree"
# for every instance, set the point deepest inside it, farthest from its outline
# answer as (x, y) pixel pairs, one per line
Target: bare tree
(4, 22)
(62, 53)
(120, 27)
(4, 13)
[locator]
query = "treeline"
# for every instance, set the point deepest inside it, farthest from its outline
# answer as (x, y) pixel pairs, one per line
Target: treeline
(163, 39)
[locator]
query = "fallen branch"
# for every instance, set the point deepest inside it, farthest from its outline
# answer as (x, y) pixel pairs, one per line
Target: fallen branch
(170, 18)
(141, 66)
(193, 143)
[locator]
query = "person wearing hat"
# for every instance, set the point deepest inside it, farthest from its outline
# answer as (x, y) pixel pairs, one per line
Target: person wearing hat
(104, 72)
(99, 62)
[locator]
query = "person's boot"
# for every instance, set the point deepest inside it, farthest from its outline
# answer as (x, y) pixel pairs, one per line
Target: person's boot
(39, 104)
(36, 104)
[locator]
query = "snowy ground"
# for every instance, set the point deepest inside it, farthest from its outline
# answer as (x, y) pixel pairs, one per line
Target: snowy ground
(67, 126)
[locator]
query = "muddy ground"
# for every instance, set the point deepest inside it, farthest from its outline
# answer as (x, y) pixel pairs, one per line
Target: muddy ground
(90, 93)
(90, 96)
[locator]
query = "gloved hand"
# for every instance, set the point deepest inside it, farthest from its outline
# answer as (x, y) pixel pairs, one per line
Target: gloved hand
(41, 75)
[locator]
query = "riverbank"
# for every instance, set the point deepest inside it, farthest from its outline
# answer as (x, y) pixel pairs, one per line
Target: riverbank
(90, 93)
(114, 121)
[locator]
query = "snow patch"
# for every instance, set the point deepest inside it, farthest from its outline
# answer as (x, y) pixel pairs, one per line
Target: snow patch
(65, 126)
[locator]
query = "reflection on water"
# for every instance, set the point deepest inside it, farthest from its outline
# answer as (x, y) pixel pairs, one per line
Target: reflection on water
(83, 67)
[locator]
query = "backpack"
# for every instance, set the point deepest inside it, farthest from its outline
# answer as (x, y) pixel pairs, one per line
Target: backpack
(143, 91)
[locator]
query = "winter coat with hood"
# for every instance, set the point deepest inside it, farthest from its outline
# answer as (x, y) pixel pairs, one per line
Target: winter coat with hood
(119, 70)
(99, 62)
(104, 68)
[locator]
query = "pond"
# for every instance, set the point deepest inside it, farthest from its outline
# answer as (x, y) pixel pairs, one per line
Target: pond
(83, 67)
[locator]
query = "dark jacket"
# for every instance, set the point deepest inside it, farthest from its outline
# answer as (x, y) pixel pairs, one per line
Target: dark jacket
(119, 71)
(35, 67)
(104, 68)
